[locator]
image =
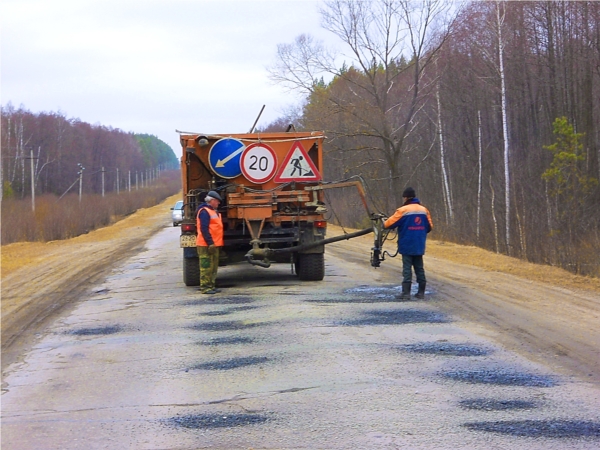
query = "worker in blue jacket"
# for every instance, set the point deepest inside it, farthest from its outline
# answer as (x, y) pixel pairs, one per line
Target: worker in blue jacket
(413, 222)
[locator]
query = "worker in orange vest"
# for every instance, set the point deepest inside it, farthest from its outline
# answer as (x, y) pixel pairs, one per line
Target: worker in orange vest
(210, 238)
(414, 222)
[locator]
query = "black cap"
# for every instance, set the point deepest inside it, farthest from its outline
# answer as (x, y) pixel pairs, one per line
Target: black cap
(409, 193)
(215, 195)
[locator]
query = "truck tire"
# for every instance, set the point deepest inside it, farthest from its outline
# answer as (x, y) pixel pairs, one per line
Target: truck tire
(311, 266)
(191, 271)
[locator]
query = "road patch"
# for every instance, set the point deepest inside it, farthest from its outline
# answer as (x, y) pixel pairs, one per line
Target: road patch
(540, 428)
(218, 300)
(229, 325)
(111, 329)
(500, 377)
(490, 404)
(224, 420)
(226, 312)
(397, 317)
(234, 340)
(445, 348)
(232, 363)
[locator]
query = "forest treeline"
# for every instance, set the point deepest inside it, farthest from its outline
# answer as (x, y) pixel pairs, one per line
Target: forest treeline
(490, 111)
(112, 160)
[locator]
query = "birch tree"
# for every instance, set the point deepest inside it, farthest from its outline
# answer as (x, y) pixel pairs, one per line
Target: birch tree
(480, 172)
(499, 24)
(446, 184)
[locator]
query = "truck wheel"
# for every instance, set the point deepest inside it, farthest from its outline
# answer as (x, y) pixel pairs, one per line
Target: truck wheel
(191, 271)
(311, 266)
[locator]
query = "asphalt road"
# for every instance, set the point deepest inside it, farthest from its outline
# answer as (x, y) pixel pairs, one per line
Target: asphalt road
(143, 362)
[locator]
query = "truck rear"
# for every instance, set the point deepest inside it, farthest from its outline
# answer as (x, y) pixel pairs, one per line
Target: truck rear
(272, 190)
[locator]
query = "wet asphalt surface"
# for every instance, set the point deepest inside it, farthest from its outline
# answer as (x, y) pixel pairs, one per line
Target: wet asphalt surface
(144, 362)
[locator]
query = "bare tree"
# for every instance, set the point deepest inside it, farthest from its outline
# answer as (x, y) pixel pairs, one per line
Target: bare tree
(507, 71)
(390, 45)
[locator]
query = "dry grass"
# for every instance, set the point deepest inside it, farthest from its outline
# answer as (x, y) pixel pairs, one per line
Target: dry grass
(22, 254)
(478, 257)
(65, 218)
(491, 261)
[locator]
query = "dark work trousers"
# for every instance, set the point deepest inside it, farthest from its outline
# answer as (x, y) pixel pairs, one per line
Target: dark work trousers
(410, 261)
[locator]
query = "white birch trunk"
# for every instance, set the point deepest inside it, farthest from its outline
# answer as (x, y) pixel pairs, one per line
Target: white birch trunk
(500, 21)
(7, 150)
(480, 172)
(448, 197)
(494, 217)
(21, 156)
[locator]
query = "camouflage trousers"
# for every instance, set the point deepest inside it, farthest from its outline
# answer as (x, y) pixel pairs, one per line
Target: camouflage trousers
(209, 263)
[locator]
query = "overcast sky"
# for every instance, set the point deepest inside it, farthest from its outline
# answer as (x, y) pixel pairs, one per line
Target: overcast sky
(151, 66)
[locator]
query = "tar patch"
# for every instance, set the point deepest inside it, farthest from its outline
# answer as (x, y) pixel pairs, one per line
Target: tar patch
(225, 420)
(219, 300)
(223, 312)
(233, 363)
(96, 331)
(397, 317)
(227, 311)
(490, 404)
(500, 377)
(353, 300)
(540, 428)
(229, 325)
(444, 348)
(228, 341)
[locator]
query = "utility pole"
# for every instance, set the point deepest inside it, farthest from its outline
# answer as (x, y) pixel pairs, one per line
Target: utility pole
(31, 158)
(80, 173)
(129, 180)
(102, 182)
(117, 181)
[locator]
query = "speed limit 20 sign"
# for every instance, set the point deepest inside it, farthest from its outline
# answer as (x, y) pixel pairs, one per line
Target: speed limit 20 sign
(258, 163)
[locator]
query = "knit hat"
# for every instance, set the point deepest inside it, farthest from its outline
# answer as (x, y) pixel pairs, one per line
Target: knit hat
(409, 193)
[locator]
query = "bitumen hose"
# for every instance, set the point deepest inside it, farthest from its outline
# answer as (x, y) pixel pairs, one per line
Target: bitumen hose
(266, 252)
(301, 248)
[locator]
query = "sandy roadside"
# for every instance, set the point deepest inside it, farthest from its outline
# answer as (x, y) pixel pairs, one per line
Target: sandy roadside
(39, 279)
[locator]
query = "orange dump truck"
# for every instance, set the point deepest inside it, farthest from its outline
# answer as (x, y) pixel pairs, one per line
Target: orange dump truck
(273, 202)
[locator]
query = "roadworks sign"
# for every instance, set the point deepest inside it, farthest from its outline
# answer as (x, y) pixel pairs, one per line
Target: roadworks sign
(297, 166)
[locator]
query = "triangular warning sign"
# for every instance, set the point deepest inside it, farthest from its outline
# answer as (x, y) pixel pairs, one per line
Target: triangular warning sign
(297, 166)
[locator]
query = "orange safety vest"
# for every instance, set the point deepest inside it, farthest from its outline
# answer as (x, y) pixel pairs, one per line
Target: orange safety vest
(215, 227)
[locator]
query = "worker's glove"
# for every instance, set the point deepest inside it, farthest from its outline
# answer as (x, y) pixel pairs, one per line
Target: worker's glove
(212, 249)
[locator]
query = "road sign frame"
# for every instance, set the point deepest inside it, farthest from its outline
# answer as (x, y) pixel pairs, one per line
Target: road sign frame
(224, 157)
(297, 145)
(248, 154)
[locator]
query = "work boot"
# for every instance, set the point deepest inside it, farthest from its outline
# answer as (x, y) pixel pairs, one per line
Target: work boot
(421, 292)
(405, 291)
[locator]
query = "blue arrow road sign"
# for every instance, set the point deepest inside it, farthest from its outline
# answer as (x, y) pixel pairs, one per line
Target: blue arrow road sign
(224, 157)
